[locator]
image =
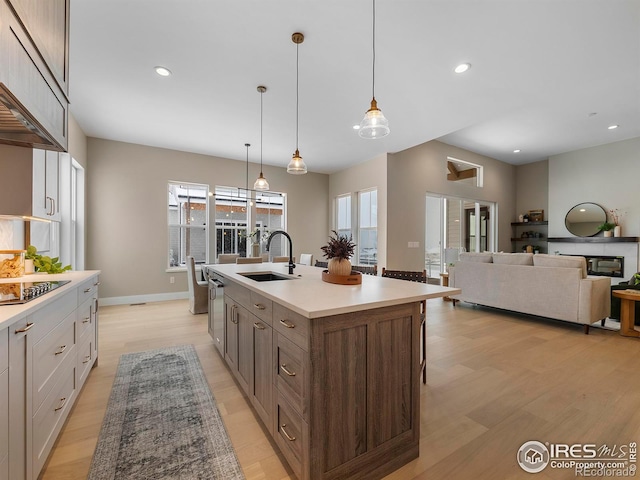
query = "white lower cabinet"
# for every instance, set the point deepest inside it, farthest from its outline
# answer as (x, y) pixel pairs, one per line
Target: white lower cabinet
(50, 353)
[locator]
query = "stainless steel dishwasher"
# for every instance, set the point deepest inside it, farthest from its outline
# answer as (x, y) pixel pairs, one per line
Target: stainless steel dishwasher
(216, 310)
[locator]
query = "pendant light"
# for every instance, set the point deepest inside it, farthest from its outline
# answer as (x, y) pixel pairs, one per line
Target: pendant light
(296, 165)
(374, 125)
(261, 182)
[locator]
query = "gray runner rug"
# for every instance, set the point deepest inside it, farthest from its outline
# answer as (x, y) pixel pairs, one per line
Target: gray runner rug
(162, 422)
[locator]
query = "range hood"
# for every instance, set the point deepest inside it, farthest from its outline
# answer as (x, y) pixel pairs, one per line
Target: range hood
(18, 127)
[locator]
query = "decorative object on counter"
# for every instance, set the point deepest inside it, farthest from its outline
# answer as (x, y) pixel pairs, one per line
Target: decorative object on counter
(338, 250)
(521, 218)
(44, 263)
(354, 278)
(525, 218)
(617, 231)
(536, 215)
(607, 228)
(616, 214)
(12, 263)
(181, 436)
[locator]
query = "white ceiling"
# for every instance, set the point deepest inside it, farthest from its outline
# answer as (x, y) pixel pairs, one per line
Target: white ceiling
(540, 69)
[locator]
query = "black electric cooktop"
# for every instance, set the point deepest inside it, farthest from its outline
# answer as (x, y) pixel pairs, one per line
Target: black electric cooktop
(22, 292)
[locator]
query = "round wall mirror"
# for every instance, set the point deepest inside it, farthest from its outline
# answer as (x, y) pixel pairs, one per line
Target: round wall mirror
(584, 219)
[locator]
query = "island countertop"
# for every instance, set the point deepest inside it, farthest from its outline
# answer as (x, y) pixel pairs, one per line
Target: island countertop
(311, 297)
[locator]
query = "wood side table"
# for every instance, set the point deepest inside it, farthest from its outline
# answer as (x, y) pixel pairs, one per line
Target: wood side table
(444, 279)
(627, 311)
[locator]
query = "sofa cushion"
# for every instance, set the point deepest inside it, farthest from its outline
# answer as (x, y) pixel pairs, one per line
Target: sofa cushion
(513, 258)
(476, 257)
(565, 261)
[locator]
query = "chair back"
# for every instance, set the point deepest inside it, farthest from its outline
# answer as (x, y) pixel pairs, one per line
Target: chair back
(282, 259)
(192, 281)
(406, 275)
(321, 264)
(366, 269)
(227, 257)
(241, 260)
(306, 259)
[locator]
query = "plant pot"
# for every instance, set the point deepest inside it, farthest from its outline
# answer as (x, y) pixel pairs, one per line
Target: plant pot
(339, 266)
(255, 249)
(617, 231)
(28, 266)
(608, 233)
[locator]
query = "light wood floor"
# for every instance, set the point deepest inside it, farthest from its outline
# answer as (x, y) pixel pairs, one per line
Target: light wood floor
(495, 380)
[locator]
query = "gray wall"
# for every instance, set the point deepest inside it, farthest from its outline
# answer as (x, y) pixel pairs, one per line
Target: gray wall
(421, 169)
(127, 211)
(532, 188)
(607, 175)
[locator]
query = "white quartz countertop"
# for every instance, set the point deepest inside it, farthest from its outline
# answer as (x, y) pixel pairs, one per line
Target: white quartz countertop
(309, 296)
(11, 313)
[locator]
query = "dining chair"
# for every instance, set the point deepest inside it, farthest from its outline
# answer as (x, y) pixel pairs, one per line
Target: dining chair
(198, 290)
(242, 260)
(284, 259)
(321, 264)
(227, 257)
(306, 259)
(422, 278)
(366, 269)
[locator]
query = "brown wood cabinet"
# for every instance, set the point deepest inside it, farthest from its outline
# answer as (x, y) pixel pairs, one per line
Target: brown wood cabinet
(34, 46)
(340, 394)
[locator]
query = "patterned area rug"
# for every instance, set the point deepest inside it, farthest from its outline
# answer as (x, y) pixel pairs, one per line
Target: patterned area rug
(162, 422)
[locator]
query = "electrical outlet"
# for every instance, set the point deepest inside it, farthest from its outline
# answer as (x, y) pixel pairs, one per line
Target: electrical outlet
(172, 279)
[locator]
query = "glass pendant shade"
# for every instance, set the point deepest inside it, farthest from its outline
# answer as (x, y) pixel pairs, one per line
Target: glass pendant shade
(296, 165)
(261, 183)
(374, 124)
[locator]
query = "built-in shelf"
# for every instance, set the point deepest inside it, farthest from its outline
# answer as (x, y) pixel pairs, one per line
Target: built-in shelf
(594, 239)
(519, 224)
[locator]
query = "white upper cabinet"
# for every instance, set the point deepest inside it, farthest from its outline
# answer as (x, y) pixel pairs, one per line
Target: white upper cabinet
(46, 184)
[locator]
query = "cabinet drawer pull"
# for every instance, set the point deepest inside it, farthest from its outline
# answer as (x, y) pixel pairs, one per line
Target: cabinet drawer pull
(284, 368)
(96, 284)
(234, 318)
(287, 324)
(259, 326)
(26, 328)
(289, 437)
(63, 401)
(87, 359)
(62, 349)
(259, 306)
(87, 290)
(86, 320)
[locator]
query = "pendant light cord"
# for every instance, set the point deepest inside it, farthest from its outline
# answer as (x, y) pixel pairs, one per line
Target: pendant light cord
(373, 75)
(297, 94)
(261, 133)
(246, 182)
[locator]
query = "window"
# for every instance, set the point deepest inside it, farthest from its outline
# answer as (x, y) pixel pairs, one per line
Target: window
(464, 172)
(343, 215)
(368, 227)
(187, 219)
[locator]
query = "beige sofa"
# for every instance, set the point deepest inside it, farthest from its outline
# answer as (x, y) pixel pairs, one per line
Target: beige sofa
(553, 286)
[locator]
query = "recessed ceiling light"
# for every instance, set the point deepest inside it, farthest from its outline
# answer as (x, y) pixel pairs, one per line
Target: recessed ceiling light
(463, 67)
(517, 150)
(613, 127)
(163, 71)
(356, 127)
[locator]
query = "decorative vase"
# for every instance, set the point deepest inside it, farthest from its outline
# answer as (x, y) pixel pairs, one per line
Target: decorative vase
(28, 266)
(255, 249)
(608, 233)
(339, 266)
(617, 231)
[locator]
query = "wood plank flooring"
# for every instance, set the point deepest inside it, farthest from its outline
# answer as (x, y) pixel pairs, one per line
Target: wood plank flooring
(495, 380)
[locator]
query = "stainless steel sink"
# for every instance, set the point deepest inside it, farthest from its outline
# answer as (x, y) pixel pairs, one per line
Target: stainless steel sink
(265, 276)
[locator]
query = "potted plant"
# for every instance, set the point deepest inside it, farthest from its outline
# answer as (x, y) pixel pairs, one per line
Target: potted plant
(338, 250)
(606, 227)
(44, 263)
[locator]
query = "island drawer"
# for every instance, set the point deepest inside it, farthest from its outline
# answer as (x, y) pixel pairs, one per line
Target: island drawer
(4, 349)
(46, 318)
(84, 318)
(291, 375)
(293, 326)
(48, 355)
(261, 307)
(4, 423)
(87, 290)
(239, 293)
(292, 436)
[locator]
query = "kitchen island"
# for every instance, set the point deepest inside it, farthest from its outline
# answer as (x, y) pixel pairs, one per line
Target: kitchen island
(332, 370)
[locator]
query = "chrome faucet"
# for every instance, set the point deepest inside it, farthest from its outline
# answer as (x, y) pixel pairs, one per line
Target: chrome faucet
(282, 232)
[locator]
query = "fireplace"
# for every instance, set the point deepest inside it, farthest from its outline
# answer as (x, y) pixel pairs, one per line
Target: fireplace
(605, 266)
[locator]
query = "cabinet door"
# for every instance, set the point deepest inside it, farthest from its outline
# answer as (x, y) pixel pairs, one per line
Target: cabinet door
(39, 188)
(245, 348)
(52, 186)
(4, 404)
(231, 334)
(262, 384)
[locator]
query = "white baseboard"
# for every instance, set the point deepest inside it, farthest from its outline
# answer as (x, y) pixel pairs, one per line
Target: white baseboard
(153, 297)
